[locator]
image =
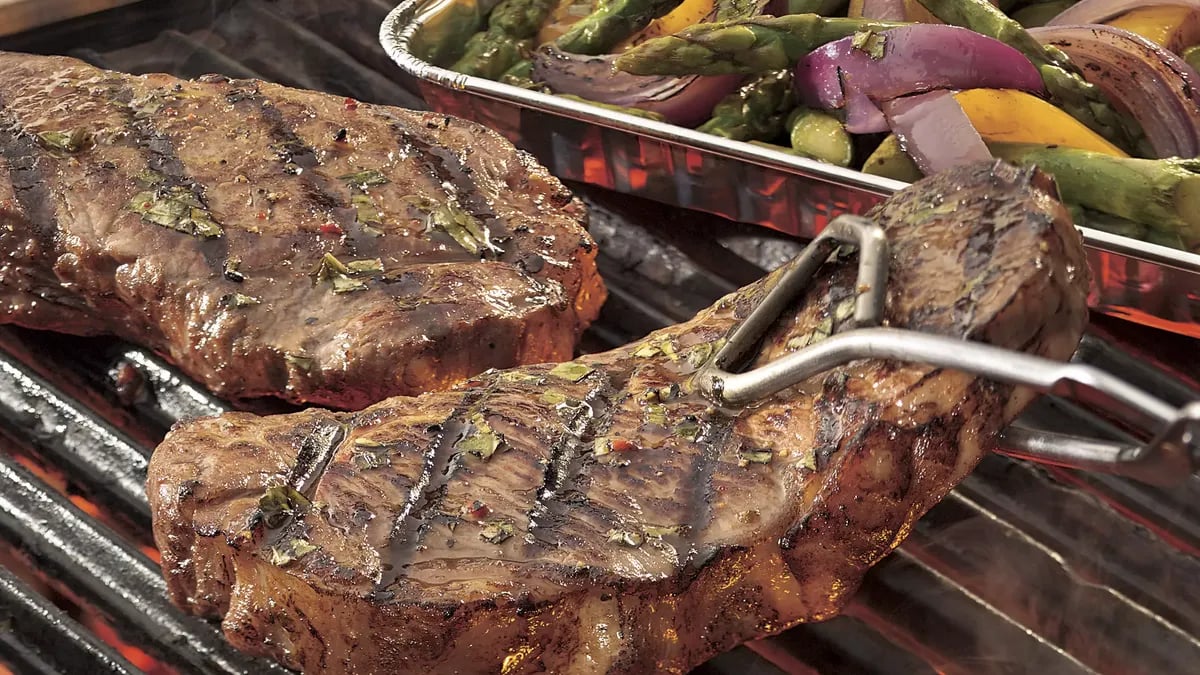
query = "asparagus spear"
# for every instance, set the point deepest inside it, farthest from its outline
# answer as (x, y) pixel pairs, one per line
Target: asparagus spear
(756, 111)
(1163, 194)
(1067, 88)
(490, 54)
(613, 21)
(505, 42)
(745, 46)
(821, 136)
(520, 19)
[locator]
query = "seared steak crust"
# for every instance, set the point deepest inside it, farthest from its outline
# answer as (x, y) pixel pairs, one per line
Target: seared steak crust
(597, 516)
(194, 217)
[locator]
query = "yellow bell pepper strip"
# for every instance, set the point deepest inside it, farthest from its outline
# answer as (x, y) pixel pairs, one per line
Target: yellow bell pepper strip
(688, 13)
(565, 15)
(1172, 27)
(1011, 116)
(1000, 116)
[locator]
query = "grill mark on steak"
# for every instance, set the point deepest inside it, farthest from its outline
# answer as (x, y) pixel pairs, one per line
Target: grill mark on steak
(299, 159)
(697, 497)
(24, 159)
(161, 157)
(441, 461)
(555, 496)
(454, 177)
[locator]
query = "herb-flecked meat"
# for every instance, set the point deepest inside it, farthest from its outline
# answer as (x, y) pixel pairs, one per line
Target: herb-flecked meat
(597, 516)
(272, 241)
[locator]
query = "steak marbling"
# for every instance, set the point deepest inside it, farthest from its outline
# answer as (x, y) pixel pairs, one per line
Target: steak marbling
(595, 516)
(272, 241)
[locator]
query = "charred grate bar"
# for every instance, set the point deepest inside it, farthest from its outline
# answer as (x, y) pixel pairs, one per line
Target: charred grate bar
(1021, 569)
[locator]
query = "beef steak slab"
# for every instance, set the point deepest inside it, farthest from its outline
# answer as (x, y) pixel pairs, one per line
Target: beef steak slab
(597, 516)
(272, 241)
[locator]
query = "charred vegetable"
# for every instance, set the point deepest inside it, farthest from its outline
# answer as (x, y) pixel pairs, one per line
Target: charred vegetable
(745, 46)
(613, 21)
(756, 111)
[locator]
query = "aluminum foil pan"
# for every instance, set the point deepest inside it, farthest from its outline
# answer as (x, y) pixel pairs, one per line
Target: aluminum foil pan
(1142, 282)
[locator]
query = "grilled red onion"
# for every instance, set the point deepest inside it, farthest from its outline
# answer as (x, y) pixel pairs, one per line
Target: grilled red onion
(915, 59)
(686, 101)
(934, 131)
(1099, 11)
(1150, 84)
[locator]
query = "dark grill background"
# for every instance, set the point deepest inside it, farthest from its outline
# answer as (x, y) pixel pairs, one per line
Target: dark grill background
(1022, 569)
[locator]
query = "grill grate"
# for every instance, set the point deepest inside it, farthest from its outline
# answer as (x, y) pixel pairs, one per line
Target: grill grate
(1021, 569)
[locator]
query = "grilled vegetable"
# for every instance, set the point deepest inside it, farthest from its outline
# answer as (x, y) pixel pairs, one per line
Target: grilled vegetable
(1068, 89)
(507, 40)
(744, 46)
(820, 135)
(756, 111)
(613, 21)
(1164, 194)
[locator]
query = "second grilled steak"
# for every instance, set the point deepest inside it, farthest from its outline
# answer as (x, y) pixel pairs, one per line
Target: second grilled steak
(272, 241)
(595, 516)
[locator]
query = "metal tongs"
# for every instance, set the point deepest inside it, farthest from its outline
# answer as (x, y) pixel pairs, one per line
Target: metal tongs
(1171, 456)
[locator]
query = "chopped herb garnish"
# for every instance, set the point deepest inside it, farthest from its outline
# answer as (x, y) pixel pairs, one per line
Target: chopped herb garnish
(748, 457)
(368, 266)
(364, 179)
(176, 208)
(668, 348)
(241, 300)
(656, 414)
(571, 371)
(481, 441)
(369, 454)
(292, 550)
(231, 270)
(151, 178)
(464, 229)
(496, 531)
(553, 398)
(869, 42)
(647, 350)
(845, 310)
(344, 284)
(278, 503)
(689, 429)
(74, 140)
(808, 459)
(300, 361)
(365, 210)
(697, 356)
(626, 538)
(341, 275)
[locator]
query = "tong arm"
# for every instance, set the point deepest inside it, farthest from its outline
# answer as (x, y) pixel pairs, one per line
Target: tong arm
(1170, 456)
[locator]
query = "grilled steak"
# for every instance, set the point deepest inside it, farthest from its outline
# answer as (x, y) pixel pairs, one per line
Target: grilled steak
(272, 241)
(599, 517)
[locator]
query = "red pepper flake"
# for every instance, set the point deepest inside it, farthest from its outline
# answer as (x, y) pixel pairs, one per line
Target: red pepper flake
(332, 228)
(262, 215)
(623, 445)
(478, 510)
(351, 104)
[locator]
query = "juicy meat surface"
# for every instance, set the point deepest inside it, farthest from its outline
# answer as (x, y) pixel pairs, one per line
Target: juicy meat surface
(272, 241)
(599, 517)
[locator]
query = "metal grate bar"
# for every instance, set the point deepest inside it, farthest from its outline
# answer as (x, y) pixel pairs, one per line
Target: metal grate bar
(63, 433)
(48, 642)
(92, 562)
